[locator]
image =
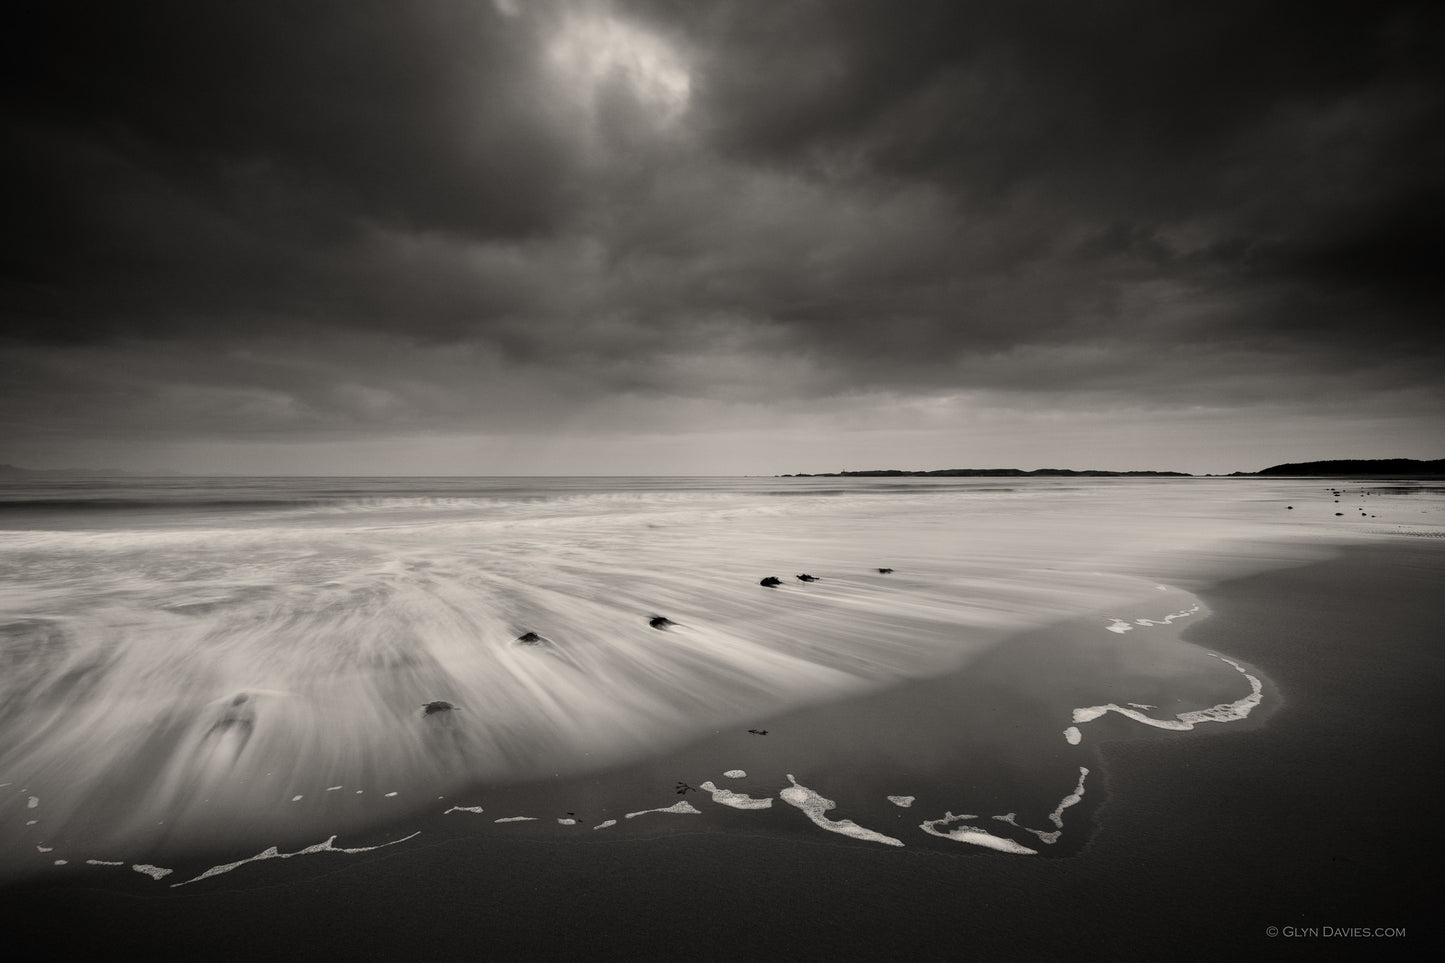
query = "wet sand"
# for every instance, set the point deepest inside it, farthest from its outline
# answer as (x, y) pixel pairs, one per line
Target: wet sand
(1318, 812)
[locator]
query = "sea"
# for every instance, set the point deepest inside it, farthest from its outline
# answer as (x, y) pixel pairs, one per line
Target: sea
(211, 672)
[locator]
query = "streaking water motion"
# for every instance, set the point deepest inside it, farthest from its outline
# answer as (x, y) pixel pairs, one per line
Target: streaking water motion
(220, 663)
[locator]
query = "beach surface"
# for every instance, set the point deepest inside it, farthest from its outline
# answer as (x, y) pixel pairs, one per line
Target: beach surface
(1312, 815)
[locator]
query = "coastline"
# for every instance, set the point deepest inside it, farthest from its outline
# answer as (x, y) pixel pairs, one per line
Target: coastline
(1200, 839)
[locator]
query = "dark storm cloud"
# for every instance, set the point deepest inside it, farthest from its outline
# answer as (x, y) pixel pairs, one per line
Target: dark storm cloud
(415, 113)
(170, 160)
(1304, 146)
(418, 207)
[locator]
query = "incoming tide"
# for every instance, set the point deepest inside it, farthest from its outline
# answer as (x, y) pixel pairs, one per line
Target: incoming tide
(197, 664)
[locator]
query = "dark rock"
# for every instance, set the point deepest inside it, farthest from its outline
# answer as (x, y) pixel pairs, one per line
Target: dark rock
(660, 622)
(806, 578)
(530, 638)
(885, 571)
(238, 716)
(431, 708)
(771, 582)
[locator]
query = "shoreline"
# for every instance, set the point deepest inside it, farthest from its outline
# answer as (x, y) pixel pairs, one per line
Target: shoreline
(1326, 810)
(1226, 829)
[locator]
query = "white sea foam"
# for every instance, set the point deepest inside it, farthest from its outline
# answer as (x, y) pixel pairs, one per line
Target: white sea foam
(683, 808)
(974, 835)
(1168, 619)
(1072, 799)
(104, 862)
(516, 819)
(735, 800)
(1044, 836)
(1119, 625)
(154, 872)
(1073, 736)
(273, 853)
(1224, 712)
(735, 774)
(904, 801)
(606, 823)
(463, 809)
(33, 802)
(815, 806)
(565, 821)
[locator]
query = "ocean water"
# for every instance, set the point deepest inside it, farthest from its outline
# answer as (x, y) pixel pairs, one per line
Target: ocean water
(218, 664)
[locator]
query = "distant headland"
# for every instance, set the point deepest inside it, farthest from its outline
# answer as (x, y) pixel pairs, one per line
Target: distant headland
(988, 473)
(1355, 466)
(1360, 467)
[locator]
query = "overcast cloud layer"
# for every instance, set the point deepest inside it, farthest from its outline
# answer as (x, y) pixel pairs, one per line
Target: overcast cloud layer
(511, 237)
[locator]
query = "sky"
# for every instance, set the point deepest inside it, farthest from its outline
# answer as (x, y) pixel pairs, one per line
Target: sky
(519, 237)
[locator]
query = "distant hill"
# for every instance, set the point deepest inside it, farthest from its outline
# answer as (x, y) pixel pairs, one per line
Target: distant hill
(1355, 466)
(988, 473)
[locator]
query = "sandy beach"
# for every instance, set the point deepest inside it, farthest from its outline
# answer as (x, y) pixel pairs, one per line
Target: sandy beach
(1311, 817)
(611, 480)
